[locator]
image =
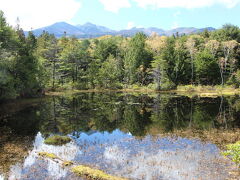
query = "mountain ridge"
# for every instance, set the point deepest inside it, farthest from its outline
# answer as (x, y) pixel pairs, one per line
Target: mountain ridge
(89, 30)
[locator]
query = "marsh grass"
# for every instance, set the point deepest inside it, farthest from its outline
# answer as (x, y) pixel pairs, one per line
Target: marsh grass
(57, 140)
(208, 90)
(186, 90)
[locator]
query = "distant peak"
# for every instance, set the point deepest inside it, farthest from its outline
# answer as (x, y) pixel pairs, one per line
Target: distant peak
(61, 22)
(89, 24)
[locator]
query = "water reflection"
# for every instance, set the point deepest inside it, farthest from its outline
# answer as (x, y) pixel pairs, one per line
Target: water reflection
(124, 155)
(119, 133)
(35, 167)
(137, 114)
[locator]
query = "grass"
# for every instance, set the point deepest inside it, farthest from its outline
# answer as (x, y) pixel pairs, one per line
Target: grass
(185, 90)
(57, 140)
(233, 152)
(91, 173)
(208, 91)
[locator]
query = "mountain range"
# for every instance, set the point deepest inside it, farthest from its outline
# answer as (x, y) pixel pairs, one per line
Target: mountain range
(90, 30)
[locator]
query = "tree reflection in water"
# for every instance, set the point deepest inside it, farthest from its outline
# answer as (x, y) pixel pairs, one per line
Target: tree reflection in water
(115, 132)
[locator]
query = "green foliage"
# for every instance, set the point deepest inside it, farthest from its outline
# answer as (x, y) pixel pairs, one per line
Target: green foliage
(207, 70)
(105, 48)
(136, 55)
(109, 73)
(233, 152)
(19, 65)
(237, 77)
(30, 64)
(226, 33)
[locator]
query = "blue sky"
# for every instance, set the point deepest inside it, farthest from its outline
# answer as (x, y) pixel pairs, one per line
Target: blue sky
(166, 18)
(122, 14)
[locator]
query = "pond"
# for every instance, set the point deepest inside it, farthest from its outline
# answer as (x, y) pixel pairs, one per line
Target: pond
(130, 135)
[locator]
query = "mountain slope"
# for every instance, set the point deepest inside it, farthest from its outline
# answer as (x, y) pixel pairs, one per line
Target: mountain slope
(58, 29)
(90, 30)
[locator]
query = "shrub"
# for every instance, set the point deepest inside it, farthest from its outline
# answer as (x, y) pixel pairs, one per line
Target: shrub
(233, 152)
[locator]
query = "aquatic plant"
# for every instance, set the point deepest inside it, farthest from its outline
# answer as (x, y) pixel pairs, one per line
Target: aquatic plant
(93, 173)
(81, 170)
(233, 151)
(57, 140)
(47, 155)
(67, 163)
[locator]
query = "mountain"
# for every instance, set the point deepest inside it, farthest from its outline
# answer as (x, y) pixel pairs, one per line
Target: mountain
(90, 30)
(147, 31)
(58, 29)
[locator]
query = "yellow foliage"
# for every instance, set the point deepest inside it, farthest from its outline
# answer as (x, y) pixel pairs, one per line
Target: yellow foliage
(156, 43)
(104, 37)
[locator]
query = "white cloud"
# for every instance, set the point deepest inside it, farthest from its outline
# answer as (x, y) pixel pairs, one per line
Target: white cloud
(115, 5)
(130, 25)
(185, 3)
(36, 13)
(175, 25)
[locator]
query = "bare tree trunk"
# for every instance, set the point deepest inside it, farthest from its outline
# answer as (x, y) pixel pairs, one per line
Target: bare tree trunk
(53, 75)
(221, 72)
(76, 73)
(192, 70)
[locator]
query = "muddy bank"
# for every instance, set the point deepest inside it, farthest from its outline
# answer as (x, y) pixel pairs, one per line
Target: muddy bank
(13, 149)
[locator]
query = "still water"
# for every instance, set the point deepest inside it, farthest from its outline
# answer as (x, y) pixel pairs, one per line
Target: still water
(135, 136)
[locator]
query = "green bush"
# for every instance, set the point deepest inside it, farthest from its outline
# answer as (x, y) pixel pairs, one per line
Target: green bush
(233, 152)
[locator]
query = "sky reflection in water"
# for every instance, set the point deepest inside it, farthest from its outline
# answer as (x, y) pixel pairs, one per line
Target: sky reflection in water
(118, 133)
(121, 154)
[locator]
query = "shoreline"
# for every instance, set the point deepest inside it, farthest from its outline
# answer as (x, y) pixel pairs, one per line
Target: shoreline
(203, 91)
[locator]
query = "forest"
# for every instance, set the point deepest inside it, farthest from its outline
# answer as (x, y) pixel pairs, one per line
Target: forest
(31, 65)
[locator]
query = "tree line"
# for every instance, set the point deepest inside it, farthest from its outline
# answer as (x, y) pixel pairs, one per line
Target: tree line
(30, 64)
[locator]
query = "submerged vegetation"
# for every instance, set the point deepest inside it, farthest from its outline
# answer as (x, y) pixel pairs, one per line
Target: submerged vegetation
(57, 140)
(30, 65)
